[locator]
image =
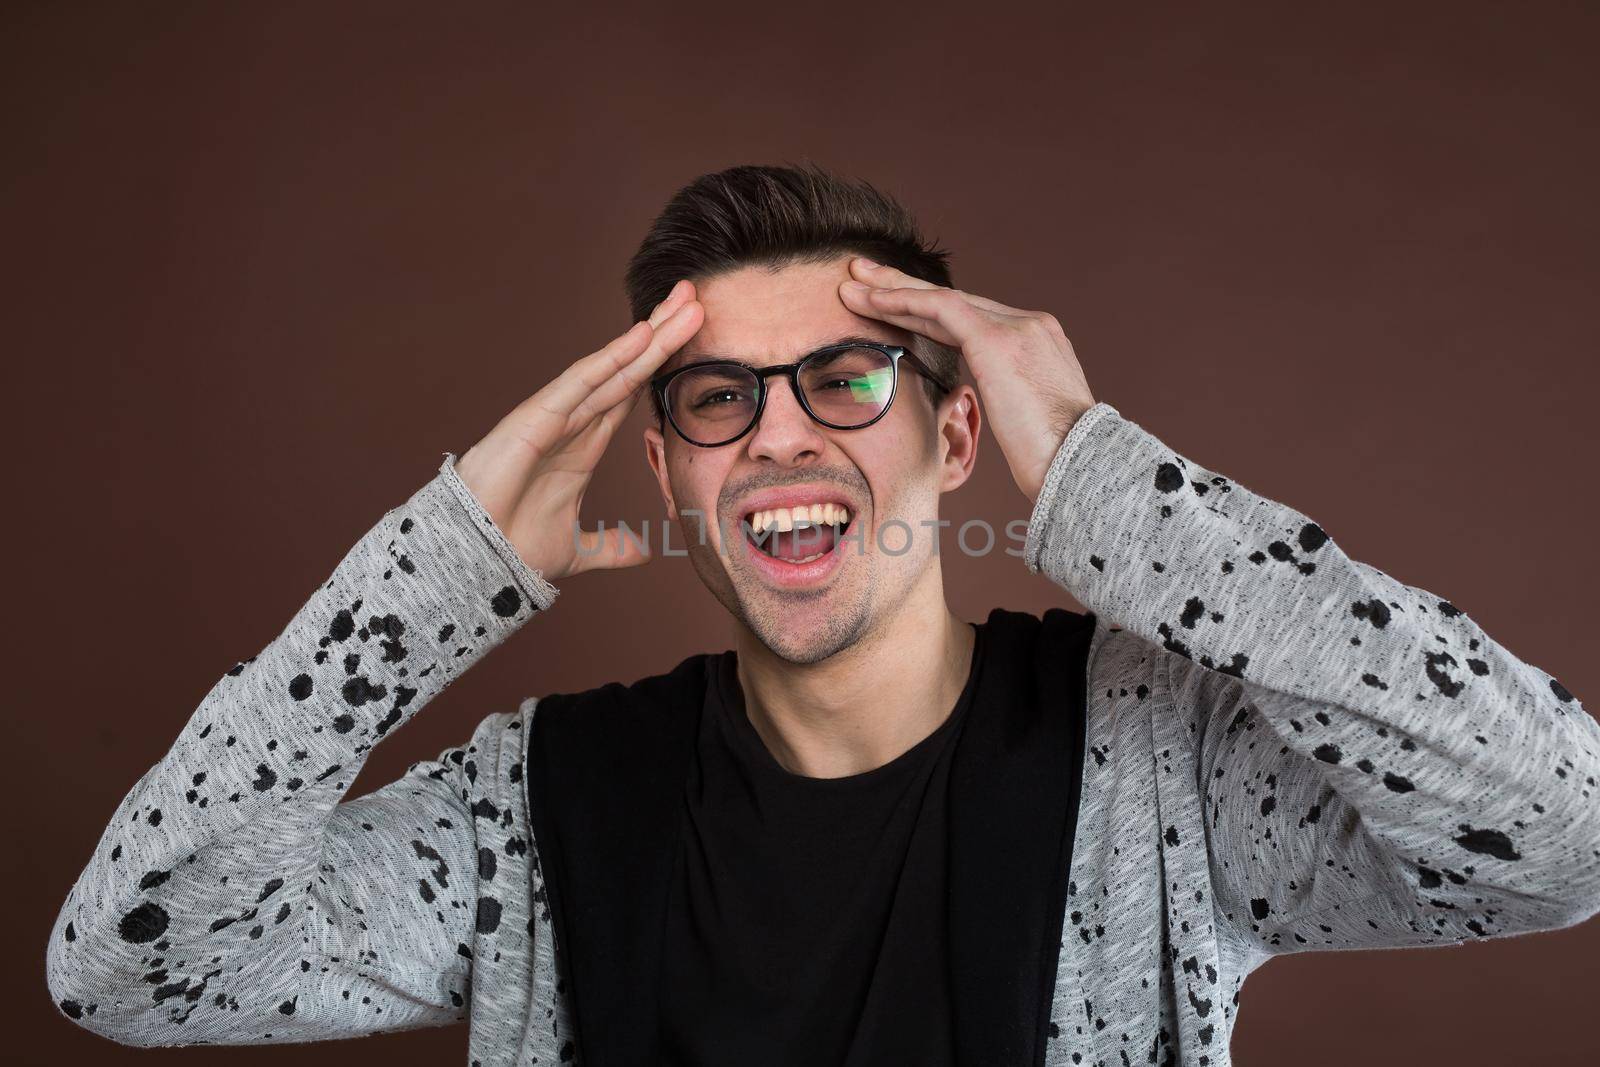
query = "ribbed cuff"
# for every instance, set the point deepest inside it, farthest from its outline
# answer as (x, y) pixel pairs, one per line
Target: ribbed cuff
(540, 593)
(1096, 420)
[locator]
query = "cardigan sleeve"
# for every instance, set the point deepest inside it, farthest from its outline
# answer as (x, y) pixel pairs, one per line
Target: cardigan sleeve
(1376, 769)
(234, 898)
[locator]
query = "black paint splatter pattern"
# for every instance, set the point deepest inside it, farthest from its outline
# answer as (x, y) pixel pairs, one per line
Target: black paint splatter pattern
(1293, 752)
(1288, 750)
(234, 899)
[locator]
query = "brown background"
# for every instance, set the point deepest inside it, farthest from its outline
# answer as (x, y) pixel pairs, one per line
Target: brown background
(264, 263)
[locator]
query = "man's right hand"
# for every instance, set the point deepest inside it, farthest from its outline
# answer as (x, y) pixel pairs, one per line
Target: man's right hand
(531, 470)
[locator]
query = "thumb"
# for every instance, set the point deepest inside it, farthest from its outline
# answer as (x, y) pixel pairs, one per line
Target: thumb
(611, 549)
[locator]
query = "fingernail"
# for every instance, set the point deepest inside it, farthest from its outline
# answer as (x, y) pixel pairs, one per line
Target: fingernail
(853, 284)
(865, 262)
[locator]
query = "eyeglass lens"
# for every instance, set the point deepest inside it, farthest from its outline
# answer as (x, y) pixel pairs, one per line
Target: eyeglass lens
(847, 387)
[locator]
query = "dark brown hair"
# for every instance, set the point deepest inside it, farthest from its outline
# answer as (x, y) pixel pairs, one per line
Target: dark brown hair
(771, 216)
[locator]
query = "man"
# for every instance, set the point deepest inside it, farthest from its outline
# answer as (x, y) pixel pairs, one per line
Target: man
(872, 832)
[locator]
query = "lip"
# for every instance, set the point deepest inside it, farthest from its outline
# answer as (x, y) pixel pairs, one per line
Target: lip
(777, 572)
(795, 576)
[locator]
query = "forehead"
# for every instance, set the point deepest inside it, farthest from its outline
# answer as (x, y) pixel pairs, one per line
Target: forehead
(764, 316)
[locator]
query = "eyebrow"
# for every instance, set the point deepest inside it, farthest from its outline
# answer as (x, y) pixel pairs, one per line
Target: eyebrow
(689, 358)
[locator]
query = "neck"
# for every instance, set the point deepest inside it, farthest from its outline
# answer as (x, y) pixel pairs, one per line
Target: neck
(867, 704)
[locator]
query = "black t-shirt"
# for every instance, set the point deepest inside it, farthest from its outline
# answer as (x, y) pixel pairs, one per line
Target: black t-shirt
(806, 921)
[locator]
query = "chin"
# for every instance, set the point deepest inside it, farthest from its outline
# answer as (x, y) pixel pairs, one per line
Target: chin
(806, 642)
(800, 626)
(807, 626)
(803, 629)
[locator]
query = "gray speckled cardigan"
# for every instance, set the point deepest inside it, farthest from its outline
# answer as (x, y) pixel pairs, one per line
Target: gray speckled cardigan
(1287, 750)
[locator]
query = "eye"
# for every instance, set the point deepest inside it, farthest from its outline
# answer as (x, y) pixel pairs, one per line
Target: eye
(717, 397)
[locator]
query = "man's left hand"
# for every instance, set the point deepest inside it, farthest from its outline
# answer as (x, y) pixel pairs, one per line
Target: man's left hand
(1023, 364)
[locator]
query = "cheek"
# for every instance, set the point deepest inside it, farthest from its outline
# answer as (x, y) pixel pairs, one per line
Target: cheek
(902, 471)
(696, 479)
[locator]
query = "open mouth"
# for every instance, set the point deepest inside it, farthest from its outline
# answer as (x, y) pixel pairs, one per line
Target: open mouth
(799, 534)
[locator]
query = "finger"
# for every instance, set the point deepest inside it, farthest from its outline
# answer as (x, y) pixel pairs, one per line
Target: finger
(858, 301)
(588, 444)
(567, 390)
(937, 313)
(595, 382)
(608, 550)
(582, 377)
(592, 441)
(682, 290)
(883, 276)
(666, 307)
(635, 374)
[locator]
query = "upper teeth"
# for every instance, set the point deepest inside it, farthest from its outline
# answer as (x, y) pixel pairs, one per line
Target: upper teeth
(795, 518)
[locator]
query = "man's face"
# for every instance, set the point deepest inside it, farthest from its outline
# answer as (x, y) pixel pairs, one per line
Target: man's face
(806, 609)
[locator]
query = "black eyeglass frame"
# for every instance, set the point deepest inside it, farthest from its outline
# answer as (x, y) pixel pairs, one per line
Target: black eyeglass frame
(896, 353)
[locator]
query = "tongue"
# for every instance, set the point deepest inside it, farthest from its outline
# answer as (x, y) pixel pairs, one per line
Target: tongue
(798, 544)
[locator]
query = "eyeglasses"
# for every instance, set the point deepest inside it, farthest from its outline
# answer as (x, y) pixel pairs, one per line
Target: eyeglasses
(844, 387)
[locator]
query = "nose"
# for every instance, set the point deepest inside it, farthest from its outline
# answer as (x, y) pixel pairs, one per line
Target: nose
(785, 434)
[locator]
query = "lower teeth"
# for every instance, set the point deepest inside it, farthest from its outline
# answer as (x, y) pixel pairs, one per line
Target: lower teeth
(765, 545)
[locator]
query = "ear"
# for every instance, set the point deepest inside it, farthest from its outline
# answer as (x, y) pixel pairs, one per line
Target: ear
(655, 450)
(959, 423)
